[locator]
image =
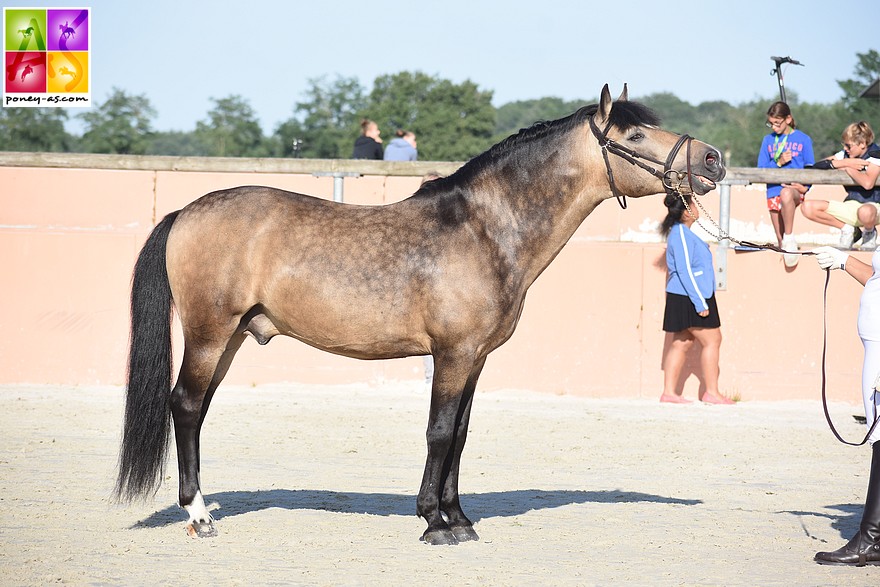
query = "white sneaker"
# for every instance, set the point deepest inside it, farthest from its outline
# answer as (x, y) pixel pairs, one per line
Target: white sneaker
(789, 244)
(869, 240)
(847, 236)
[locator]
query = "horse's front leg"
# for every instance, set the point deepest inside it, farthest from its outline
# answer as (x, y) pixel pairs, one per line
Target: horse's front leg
(462, 528)
(448, 403)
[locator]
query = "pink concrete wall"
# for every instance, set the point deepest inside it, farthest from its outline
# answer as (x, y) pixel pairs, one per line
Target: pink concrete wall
(591, 325)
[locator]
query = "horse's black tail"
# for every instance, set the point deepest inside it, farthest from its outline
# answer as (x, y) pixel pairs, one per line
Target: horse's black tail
(146, 431)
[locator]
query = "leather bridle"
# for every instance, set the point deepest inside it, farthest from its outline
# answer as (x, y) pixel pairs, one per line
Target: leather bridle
(671, 178)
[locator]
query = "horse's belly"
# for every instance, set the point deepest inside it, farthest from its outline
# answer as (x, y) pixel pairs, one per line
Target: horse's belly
(353, 329)
(368, 347)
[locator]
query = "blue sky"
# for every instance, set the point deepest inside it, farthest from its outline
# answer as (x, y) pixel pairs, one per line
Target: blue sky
(180, 54)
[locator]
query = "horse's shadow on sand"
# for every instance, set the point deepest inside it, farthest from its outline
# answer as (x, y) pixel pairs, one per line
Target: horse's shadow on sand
(479, 505)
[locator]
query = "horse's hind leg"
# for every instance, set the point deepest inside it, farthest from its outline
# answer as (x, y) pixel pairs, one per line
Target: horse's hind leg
(202, 371)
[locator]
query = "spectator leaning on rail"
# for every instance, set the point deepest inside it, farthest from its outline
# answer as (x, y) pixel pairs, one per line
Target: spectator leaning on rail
(788, 148)
(402, 147)
(369, 144)
(860, 158)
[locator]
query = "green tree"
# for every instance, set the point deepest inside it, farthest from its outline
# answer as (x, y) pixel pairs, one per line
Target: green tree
(231, 129)
(34, 129)
(824, 123)
(677, 115)
(325, 123)
(177, 143)
(510, 118)
(122, 124)
(735, 130)
(866, 71)
(452, 122)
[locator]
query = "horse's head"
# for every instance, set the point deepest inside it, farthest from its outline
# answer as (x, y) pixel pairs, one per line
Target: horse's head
(642, 159)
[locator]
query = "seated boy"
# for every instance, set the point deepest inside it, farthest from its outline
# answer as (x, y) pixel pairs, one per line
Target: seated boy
(861, 207)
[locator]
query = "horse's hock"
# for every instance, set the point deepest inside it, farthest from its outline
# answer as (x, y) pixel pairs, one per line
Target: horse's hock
(72, 226)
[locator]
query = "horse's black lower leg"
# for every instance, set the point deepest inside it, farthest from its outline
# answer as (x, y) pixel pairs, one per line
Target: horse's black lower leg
(447, 431)
(461, 526)
(200, 374)
(186, 410)
(439, 436)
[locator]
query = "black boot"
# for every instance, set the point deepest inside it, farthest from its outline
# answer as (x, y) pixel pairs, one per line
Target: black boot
(864, 548)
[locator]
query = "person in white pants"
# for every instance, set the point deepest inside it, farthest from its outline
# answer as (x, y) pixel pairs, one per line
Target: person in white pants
(864, 547)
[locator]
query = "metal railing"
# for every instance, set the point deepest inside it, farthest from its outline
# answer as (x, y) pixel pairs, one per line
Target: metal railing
(749, 175)
(341, 168)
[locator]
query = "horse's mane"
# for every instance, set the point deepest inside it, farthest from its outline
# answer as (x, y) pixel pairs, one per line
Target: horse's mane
(624, 115)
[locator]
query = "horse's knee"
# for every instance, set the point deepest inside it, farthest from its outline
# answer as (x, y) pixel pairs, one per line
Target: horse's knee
(438, 432)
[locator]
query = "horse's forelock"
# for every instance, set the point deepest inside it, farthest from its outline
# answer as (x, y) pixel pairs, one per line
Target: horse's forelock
(626, 115)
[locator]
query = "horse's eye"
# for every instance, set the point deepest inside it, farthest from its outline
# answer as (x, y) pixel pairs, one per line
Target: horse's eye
(636, 137)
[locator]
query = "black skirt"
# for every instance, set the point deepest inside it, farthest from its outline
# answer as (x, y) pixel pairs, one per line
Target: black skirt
(681, 315)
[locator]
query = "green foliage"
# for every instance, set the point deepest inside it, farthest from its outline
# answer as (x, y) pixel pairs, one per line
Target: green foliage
(515, 116)
(122, 124)
(452, 122)
(678, 116)
(866, 71)
(34, 129)
(184, 144)
(231, 130)
(824, 123)
(326, 120)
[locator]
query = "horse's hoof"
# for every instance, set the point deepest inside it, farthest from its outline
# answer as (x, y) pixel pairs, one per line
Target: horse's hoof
(441, 536)
(197, 529)
(464, 533)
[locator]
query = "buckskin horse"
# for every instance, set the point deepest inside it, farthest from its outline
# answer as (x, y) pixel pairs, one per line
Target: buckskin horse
(444, 272)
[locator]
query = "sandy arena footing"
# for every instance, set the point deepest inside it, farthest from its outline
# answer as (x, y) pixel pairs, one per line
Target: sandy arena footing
(316, 486)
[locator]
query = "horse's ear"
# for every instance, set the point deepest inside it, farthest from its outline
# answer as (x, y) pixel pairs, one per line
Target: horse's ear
(604, 106)
(624, 95)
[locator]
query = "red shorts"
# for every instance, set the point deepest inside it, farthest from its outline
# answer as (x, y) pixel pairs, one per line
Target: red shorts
(774, 205)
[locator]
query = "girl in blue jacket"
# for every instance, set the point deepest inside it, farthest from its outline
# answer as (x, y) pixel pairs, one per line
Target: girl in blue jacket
(691, 311)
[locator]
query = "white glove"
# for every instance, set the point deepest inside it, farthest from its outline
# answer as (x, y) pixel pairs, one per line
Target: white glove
(830, 258)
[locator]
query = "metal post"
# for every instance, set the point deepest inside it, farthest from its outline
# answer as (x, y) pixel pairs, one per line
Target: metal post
(337, 188)
(724, 227)
(724, 242)
(337, 176)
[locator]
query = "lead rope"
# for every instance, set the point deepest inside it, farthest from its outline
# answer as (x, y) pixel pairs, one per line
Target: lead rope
(721, 233)
(824, 348)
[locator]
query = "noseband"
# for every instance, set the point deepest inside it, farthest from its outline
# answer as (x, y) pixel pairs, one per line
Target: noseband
(672, 179)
